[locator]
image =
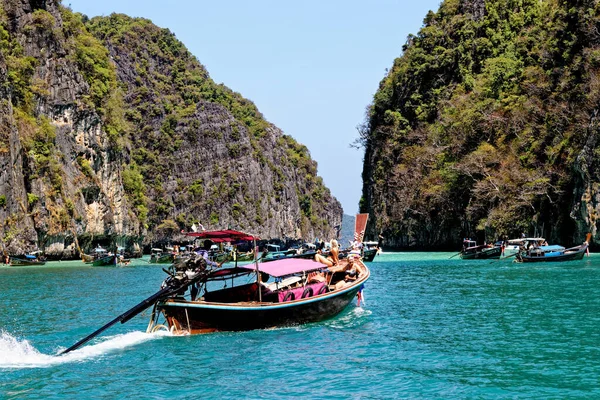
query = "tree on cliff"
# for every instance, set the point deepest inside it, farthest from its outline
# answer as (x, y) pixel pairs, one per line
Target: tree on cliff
(487, 124)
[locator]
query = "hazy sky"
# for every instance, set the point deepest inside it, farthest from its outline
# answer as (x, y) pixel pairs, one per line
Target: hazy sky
(311, 67)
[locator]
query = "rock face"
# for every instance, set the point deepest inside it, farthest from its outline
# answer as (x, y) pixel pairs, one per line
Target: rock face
(487, 127)
(119, 138)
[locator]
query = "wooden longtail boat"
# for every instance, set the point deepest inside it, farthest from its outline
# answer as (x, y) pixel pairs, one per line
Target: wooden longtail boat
(307, 255)
(264, 295)
(261, 295)
(553, 253)
(101, 258)
(471, 251)
(158, 256)
(28, 259)
(109, 260)
(369, 251)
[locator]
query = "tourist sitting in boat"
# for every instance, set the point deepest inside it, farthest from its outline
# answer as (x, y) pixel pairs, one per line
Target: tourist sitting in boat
(333, 258)
(316, 277)
(351, 271)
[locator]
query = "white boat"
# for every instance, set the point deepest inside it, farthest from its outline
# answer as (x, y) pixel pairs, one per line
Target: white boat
(513, 246)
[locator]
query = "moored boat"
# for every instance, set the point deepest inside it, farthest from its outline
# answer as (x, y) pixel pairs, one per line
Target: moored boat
(369, 251)
(108, 260)
(511, 247)
(553, 253)
(472, 251)
(158, 256)
(27, 259)
(102, 258)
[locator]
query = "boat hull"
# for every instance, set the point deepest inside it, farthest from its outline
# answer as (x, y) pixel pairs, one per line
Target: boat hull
(20, 262)
(486, 254)
(570, 256)
(108, 261)
(244, 257)
(203, 317)
(162, 259)
(369, 255)
(309, 255)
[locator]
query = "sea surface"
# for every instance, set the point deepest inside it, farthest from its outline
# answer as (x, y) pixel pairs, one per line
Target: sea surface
(433, 327)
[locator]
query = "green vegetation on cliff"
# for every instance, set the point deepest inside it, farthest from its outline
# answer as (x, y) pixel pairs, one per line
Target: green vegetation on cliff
(168, 94)
(488, 123)
(111, 130)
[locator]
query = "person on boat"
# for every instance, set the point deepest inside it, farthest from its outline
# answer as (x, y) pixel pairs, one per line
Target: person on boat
(333, 258)
(203, 252)
(352, 271)
(379, 244)
(315, 277)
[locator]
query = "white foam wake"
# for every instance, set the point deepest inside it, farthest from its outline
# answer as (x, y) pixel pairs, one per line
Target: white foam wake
(19, 353)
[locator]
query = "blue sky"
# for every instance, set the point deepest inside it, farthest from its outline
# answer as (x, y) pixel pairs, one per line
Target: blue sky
(311, 67)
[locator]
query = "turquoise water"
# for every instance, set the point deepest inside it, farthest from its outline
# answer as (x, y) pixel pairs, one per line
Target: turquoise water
(433, 327)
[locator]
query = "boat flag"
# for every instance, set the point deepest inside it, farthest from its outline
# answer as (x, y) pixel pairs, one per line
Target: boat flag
(360, 296)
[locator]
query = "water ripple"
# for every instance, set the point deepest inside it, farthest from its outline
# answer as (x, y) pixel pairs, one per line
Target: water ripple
(433, 327)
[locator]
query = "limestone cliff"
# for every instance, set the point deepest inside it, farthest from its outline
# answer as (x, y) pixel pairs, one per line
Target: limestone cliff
(101, 143)
(486, 126)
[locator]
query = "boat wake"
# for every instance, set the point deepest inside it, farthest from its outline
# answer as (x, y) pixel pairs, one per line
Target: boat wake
(354, 317)
(18, 353)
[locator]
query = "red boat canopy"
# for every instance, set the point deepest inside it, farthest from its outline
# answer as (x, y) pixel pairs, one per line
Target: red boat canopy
(226, 235)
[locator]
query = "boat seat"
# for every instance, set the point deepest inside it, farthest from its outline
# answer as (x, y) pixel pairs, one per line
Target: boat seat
(273, 286)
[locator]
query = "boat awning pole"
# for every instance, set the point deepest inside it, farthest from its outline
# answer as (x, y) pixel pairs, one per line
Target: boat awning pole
(257, 272)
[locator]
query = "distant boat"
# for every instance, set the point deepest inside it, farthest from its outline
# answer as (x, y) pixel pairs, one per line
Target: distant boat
(513, 246)
(369, 251)
(107, 261)
(27, 259)
(366, 249)
(101, 258)
(274, 252)
(553, 253)
(472, 251)
(158, 256)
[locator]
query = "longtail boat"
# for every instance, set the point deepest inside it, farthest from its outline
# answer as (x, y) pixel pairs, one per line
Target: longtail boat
(101, 258)
(158, 256)
(289, 300)
(109, 260)
(26, 260)
(553, 253)
(286, 292)
(369, 251)
(472, 251)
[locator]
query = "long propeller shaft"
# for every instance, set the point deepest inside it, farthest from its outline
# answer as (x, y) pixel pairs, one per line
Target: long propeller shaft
(174, 286)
